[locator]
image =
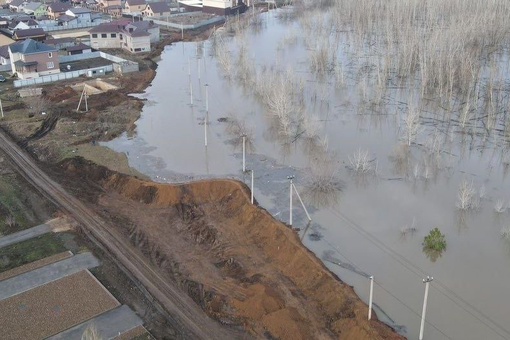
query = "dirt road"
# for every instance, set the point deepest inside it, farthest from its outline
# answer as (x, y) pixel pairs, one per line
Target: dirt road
(185, 313)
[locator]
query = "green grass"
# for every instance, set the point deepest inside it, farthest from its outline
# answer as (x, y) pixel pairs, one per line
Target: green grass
(12, 203)
(29, 251)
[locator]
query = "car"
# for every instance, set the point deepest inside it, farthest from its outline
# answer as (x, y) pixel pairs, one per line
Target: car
(2, 79)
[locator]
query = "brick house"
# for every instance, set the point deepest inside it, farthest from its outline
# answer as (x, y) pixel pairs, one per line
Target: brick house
(32, 59)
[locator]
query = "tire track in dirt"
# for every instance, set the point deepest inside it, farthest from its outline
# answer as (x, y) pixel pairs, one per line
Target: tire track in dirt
(191, 320)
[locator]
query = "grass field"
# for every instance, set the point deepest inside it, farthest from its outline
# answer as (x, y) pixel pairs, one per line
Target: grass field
(30, 250)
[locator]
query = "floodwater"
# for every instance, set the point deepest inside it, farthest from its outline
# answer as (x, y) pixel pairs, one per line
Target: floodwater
(376, 223)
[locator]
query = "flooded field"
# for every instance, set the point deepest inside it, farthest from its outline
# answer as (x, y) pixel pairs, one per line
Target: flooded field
(379, 159)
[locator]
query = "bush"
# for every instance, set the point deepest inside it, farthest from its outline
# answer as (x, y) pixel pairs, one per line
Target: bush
(435, 240)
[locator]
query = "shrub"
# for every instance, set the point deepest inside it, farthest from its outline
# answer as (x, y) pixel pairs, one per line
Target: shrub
(435, 240)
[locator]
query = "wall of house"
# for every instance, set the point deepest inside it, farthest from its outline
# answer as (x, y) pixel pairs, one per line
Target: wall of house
(135, 8)
(218, 3)
(154, 38)
(134, 43)
(45, 64)
(108, 42)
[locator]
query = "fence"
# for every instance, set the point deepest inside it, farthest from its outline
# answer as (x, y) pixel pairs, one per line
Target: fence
(70, 26)
(77, 57)
(63, 76)
(215, 20)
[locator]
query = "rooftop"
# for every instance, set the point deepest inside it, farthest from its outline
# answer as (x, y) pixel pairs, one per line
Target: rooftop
(159, 7)
(31, 32)
(30, 46)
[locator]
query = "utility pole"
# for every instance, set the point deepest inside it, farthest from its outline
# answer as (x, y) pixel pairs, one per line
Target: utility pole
(422, 325)
(206, 113)
(1, 108)
(302, 204)
(370, 297)
(251, 185)
(290, 211)
(190, 93)
(206, 98)
(244, 151)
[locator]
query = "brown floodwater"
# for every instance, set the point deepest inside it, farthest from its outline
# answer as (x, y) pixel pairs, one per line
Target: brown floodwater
(376, 223)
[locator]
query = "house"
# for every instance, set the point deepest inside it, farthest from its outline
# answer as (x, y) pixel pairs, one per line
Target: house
(157, 9)
(67, 20)
(32, 59)
(5, 59)
(112, 7)
(22, 24)
(107, 35)
(35, 9)
(78, 49)
(56, 9)
(82, 15)
(60, 43)
(134, 37)
(17, 5)
(134, 6)
(223, 7)
(31, 33)
(148, 26)
(135, 40)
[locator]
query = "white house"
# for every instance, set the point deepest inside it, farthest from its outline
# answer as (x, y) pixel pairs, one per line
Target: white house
(223, 7)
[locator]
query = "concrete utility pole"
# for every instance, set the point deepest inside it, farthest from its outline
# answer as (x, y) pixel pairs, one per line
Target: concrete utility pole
(251, 186)
(302, 204)
(1, 108)
(244, 152)
(370, 297)
(290, 211)
(206, 113)
(422, 325)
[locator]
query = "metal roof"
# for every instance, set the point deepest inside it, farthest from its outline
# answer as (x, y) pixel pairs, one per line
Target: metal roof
(30, 46)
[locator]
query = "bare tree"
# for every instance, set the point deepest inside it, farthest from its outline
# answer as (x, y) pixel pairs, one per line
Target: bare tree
(466, 195)
(500, 206)
(411, 125)
(361, 162)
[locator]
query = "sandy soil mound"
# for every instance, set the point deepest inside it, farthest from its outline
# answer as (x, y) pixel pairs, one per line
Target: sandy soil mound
(239, 264)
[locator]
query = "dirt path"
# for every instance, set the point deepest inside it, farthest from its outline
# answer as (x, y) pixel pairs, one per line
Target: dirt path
(193, 322)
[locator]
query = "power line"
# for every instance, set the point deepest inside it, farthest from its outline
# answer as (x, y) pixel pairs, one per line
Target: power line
(385, 289)
(408, 307)
(420, 273)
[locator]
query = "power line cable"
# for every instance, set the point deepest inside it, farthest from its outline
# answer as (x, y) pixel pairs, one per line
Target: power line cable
(498, 329)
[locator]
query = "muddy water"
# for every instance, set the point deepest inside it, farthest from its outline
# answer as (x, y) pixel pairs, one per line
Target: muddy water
(360, 234)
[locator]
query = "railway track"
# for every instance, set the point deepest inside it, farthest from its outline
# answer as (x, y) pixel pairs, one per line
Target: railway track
(188, 317)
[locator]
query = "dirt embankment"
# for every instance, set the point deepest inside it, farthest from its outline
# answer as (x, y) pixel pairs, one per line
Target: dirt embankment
(239, 264)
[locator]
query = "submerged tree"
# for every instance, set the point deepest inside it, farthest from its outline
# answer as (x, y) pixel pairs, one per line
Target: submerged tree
(434, 244)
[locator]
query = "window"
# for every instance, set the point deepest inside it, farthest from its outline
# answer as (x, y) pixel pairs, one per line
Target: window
(94, 35)
(113, 35)
(120, 36)
(104, 35)
(50, 55)
(138, 49)
(50, 64)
